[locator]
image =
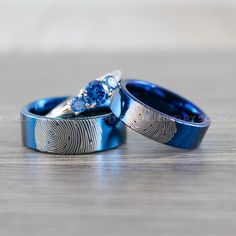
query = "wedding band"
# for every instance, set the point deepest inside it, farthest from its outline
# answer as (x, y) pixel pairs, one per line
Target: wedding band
(159, 114)
(96, 93)
(94, 130)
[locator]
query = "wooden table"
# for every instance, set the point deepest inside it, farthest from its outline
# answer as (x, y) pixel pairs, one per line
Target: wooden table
(141, 188)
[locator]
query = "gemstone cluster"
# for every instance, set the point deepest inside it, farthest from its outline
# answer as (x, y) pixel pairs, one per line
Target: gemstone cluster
(95, 93)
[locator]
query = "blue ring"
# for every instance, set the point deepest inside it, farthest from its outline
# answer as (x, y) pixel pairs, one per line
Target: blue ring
(96, 131)
(159, 114)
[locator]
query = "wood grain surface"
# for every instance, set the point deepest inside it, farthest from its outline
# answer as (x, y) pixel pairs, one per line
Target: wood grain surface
(141, 188)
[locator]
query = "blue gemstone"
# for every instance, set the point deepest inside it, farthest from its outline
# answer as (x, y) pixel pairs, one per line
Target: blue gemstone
(78, 104)
(111, 82)
(95, 93)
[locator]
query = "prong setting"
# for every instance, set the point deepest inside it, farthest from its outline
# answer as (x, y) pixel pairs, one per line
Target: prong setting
(102, 79)
(109, 94)
(91, 106)
(82, 92)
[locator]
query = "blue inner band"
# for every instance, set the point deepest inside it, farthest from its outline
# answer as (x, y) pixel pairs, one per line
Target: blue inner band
(165, 101)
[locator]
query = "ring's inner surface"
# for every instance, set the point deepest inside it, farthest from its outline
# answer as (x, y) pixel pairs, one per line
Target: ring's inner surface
(165, 101)
(44, 106)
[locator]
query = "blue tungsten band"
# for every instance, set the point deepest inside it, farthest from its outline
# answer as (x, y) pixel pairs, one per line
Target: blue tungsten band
(159, 114)
(97, 131)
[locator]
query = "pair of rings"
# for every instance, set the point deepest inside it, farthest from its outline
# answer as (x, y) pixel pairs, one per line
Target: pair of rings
(96, 119)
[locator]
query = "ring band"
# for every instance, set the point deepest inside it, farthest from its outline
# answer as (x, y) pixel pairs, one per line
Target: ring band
(159, 114)
(96, 93)
(98, 130)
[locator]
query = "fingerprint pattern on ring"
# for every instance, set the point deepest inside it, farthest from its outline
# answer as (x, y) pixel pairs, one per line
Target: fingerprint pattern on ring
(149, 123)
(67, 136)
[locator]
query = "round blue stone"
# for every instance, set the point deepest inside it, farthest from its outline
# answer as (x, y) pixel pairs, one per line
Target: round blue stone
(78, 104)
(95, 93)
(111, 82)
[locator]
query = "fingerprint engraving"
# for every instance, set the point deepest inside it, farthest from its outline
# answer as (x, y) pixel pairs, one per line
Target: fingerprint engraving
(150, 123)
(67, 136)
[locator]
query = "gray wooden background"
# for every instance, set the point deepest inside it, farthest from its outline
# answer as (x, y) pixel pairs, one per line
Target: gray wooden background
(141, 188)
(117, 25)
